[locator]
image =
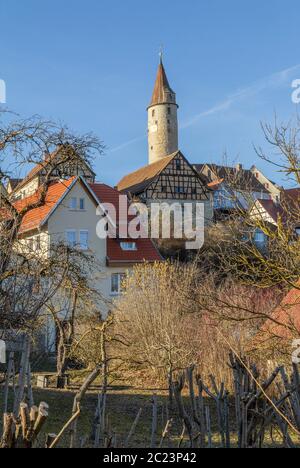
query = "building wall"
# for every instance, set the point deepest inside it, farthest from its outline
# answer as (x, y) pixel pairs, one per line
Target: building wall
(165, 189)
(28, 189)
(272, 189)
(64, 219)
(162, 131)
(258, 212)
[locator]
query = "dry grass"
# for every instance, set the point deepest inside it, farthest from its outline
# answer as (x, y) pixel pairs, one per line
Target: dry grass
(123, 404)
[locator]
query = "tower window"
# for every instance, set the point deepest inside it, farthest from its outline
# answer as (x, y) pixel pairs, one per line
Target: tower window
(169, 110)
(153, 113)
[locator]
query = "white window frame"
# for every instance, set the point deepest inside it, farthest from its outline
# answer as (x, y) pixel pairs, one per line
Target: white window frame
(128, 246)
(259, 237)
(120, 277)
(86, 246)
(73, 208)
(71, 231)
(82, 201)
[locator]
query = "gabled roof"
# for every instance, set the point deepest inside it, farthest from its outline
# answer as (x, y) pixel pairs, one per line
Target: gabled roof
(291, 198)
(14, 183)
(274, 210)
(38, 168)
(36, 217)
(162, 89)
(215, 185)
(146, 251)
(242, 179)
(106, 194)
(101, 193)
(137, 181)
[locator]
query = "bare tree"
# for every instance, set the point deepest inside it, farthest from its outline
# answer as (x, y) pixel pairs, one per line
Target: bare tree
(55, 151)
(154, 319)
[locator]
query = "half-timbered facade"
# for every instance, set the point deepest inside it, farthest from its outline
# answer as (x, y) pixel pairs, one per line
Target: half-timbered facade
(60, 170)
(171, 180)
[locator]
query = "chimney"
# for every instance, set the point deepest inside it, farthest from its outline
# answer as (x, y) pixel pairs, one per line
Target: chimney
(239, 167)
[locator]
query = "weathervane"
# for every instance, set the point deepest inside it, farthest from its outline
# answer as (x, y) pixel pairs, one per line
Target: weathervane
(161, 53)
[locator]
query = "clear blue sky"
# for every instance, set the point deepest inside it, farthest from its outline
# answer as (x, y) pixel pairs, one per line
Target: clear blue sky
(91, 64)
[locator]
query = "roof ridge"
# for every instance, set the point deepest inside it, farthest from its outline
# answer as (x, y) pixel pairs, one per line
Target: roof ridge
(149, 171)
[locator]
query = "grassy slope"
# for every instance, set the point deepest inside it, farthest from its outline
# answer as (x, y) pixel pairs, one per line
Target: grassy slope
(123, 405)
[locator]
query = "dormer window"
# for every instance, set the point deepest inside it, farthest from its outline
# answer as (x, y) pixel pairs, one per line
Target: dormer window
(128, 246)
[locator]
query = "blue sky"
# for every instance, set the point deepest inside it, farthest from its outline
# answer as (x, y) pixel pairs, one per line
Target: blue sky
(92, 65)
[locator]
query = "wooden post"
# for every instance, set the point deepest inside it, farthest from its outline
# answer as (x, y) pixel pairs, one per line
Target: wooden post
(154, 422)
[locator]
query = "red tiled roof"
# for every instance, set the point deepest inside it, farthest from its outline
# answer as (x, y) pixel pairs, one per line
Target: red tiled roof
(215, 184)
(146, 251)
(274, 211)
(287, 316)
(106, 194)
(291, 200)
(35, 217)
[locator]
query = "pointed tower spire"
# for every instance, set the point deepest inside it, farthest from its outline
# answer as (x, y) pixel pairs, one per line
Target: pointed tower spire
(162, 118)
(163, 93)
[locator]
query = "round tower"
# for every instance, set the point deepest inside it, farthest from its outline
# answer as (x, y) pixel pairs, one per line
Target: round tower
(162, 119)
